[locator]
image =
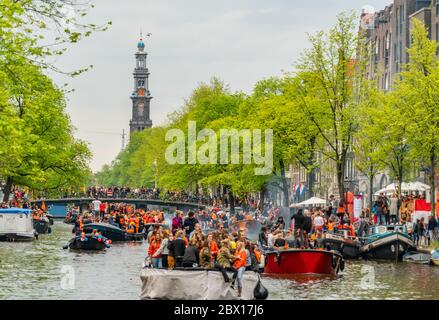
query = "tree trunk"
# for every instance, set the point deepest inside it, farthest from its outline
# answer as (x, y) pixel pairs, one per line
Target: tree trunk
(231, 202)
(340, 180)
(370, 192)
(432, 182)
(285, 188)
(8, 188)
(311, 182)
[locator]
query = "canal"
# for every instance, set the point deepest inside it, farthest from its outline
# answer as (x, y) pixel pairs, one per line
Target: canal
(43, 270)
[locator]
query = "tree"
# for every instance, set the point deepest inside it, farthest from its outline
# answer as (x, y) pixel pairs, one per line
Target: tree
(48, 156)
(327, 72)
(419, 101)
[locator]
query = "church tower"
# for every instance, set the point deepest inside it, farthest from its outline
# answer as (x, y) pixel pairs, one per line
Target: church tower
(141, 96)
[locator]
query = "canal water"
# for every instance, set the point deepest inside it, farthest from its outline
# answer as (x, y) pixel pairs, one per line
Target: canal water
(43, 270)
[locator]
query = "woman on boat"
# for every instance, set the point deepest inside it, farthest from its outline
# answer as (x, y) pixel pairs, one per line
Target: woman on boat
(155, 253)
(206, 260)
(164, 249)
(191, 255)
(225, 259)
(239, 266)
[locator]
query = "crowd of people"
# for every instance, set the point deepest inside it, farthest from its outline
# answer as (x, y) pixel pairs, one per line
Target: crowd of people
(187, 245)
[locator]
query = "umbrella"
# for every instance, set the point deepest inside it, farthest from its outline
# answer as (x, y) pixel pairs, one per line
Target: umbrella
(405, 187)
(312, 201)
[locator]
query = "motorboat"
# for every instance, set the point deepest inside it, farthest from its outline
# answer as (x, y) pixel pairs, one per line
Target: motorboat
(197, 284)
(42, 225)
(113, 232)
(417, 257)
(88, 243)
(16, 225)
(390, 242)
(347, 246)
(303, 261)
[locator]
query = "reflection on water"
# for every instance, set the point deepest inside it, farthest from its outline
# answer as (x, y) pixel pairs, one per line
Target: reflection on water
(38, 270)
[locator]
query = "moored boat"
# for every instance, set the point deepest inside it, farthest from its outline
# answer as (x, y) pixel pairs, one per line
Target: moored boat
(387, 243)
(197, 284)
(16, 225)
(348, 247)
(417, 257)
(88, 243)
(297, 261)
(113, 232)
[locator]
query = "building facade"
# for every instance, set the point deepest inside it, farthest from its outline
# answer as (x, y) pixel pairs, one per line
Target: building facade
(141, 96)
(387, 33)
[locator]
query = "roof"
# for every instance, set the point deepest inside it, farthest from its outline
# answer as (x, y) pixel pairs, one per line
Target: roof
(15, 211)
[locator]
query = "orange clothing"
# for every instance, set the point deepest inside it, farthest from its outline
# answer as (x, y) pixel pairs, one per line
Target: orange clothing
(241, 259)
(257, 255)
(153, 247)
(214, 249)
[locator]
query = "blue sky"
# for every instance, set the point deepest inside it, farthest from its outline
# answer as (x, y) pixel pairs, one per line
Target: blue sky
(239, 41)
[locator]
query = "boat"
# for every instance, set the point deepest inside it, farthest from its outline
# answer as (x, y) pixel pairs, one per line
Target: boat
(197, 284)
(16, 225)
(435, 257)
(387, 243)
(92, 243)
(348, 247)
(42, 225)
(417, 257)
(306, 261)
(71, 217)
(112, 232)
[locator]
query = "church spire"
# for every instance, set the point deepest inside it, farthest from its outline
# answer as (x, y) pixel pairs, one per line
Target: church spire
(141, 95)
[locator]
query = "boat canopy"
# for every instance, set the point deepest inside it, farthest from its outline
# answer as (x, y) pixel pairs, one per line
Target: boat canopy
(15, 211)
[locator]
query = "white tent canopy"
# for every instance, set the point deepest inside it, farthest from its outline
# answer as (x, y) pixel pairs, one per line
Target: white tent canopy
(405, 187)
(312, 201)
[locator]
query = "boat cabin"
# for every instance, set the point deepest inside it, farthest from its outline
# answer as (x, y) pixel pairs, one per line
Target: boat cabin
(16, 225)
(379, 231)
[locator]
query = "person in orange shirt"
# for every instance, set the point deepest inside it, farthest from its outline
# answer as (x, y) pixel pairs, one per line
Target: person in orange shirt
(239, 266)
(213, 246)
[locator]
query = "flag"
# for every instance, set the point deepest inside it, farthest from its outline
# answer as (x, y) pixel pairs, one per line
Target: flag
(422, 210)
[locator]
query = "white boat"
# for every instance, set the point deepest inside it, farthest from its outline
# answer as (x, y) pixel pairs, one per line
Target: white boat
(16, 225)
(199, 284)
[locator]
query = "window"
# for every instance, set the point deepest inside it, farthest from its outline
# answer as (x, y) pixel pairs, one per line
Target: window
(401, 19)
(436, 4)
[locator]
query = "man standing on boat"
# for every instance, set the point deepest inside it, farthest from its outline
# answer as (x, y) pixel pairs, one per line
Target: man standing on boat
(298, 219)
(96, 207)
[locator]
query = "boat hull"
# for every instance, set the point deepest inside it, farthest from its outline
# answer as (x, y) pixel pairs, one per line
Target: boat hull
(348, 249)
(391, 247)
(113, 233)
(163, 284)
(17, 237)
(303, 262)
(435, 262)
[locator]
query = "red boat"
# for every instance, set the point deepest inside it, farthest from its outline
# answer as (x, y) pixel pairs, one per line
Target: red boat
(304, 262)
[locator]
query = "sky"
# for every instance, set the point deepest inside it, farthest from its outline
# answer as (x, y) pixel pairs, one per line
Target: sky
(239, 41)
